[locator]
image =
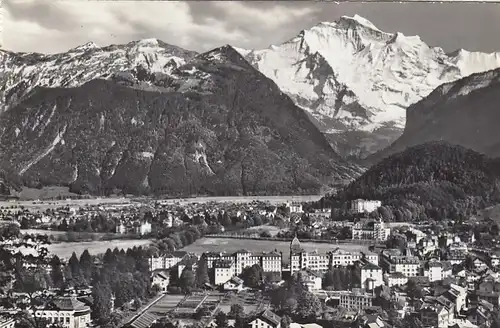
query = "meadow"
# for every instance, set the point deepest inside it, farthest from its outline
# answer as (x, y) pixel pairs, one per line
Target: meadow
(64, 250)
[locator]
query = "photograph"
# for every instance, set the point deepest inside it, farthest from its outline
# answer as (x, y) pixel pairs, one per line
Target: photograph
(249, 164)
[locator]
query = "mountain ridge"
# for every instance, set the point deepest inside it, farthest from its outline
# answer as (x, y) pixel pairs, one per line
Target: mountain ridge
(462, 112)
(212, 125)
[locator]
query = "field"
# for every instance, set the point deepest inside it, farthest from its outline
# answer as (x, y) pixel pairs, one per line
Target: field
(233, 245)
(243, 199)
(251, 303)
(40, 206)
(65, 250)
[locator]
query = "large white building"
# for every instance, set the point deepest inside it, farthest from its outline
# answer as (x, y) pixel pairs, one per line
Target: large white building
(316, 261)
(224, 270)
(67, 311)
(371, 229)
(365, 206)
(268, 261)
(357, 299)
(266, 319)
(167, 261)
(393, 260)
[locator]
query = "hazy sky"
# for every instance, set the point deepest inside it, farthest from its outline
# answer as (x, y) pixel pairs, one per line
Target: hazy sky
(55, 26)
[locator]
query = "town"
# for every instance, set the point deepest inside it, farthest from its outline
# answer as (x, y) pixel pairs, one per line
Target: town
(254, 265)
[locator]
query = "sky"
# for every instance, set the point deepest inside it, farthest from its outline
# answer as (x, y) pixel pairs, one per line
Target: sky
(51, 26)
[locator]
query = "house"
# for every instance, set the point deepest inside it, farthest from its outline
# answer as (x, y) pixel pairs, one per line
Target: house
(121, 228)
(162, 279)
(357, 299)
(235, 284)
(370, 275)
(479, 264)
(144, 228)
(67, 311)
(224, 270)
(312, 280)
(365, 206)
(438, 317)
(394, 260)
(305, 325)
(266, 319)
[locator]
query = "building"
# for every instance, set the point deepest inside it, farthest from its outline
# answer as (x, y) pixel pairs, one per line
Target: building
(371, 230)
(271, 262)
(161, 279)
(340, 257)
(266, 319)
(167, 261)
(394, 260)
(144, 228)
(294, 207)
(121, 228)
(437, 271)
(234, 284)
(370, 275)
(224, 270)
(295, 255)
(365, 206)
(357, 299)
(312, 280)
(395, 279)
(67, 311)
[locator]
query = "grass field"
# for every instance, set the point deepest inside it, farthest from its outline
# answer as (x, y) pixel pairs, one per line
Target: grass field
(232, 245)
(273, 230)
(94, 247)
(40, 206)
(244, 199)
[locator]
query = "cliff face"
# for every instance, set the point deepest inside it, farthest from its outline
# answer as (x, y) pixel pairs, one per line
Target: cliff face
(214, 125)
(464, 112)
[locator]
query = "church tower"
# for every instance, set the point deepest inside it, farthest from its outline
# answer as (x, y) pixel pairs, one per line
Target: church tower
(295, 255)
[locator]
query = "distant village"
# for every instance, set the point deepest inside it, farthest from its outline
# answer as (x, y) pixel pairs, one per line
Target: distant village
(368, 273)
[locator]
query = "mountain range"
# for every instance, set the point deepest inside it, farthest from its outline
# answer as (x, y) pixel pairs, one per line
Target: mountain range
(463, 112)
(210, 124)
(353, 80)
(150, 117)
(356, 81)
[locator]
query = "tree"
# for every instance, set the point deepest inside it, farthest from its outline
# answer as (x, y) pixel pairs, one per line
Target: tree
(286, 321)
(56, 272)
(22, 258)
(310, 306)
(86, 264)
(236, 311)
(221, 320)
(252, 276)
(187, 280)
(414, 290)
(202, 277)
(101, 306)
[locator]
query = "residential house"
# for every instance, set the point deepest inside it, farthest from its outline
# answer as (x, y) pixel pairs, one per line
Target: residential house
(266, 319)
(313, 280)
(369, 275)
(161, 279)
(357, 299)
(235, 284)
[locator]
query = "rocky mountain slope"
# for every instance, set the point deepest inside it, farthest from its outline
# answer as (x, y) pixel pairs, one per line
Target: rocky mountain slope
(465, 112)
(357, 81)
(22, 72)
(210, 124)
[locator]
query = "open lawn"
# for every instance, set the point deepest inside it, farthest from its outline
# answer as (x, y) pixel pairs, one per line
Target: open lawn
(65, 250)
(251, 303)
(40, 206)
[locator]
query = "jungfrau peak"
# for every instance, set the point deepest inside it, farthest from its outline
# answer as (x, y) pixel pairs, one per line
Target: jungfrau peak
(357, 81)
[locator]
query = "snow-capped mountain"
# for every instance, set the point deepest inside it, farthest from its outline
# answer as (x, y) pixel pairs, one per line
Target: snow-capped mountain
(357, 80)
(22, 72)
(214, 125)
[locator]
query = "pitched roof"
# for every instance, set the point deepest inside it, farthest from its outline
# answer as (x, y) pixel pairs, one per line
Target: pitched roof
(270, 316)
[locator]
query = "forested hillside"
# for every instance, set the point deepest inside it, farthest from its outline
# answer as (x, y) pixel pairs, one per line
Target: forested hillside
(434, 180)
